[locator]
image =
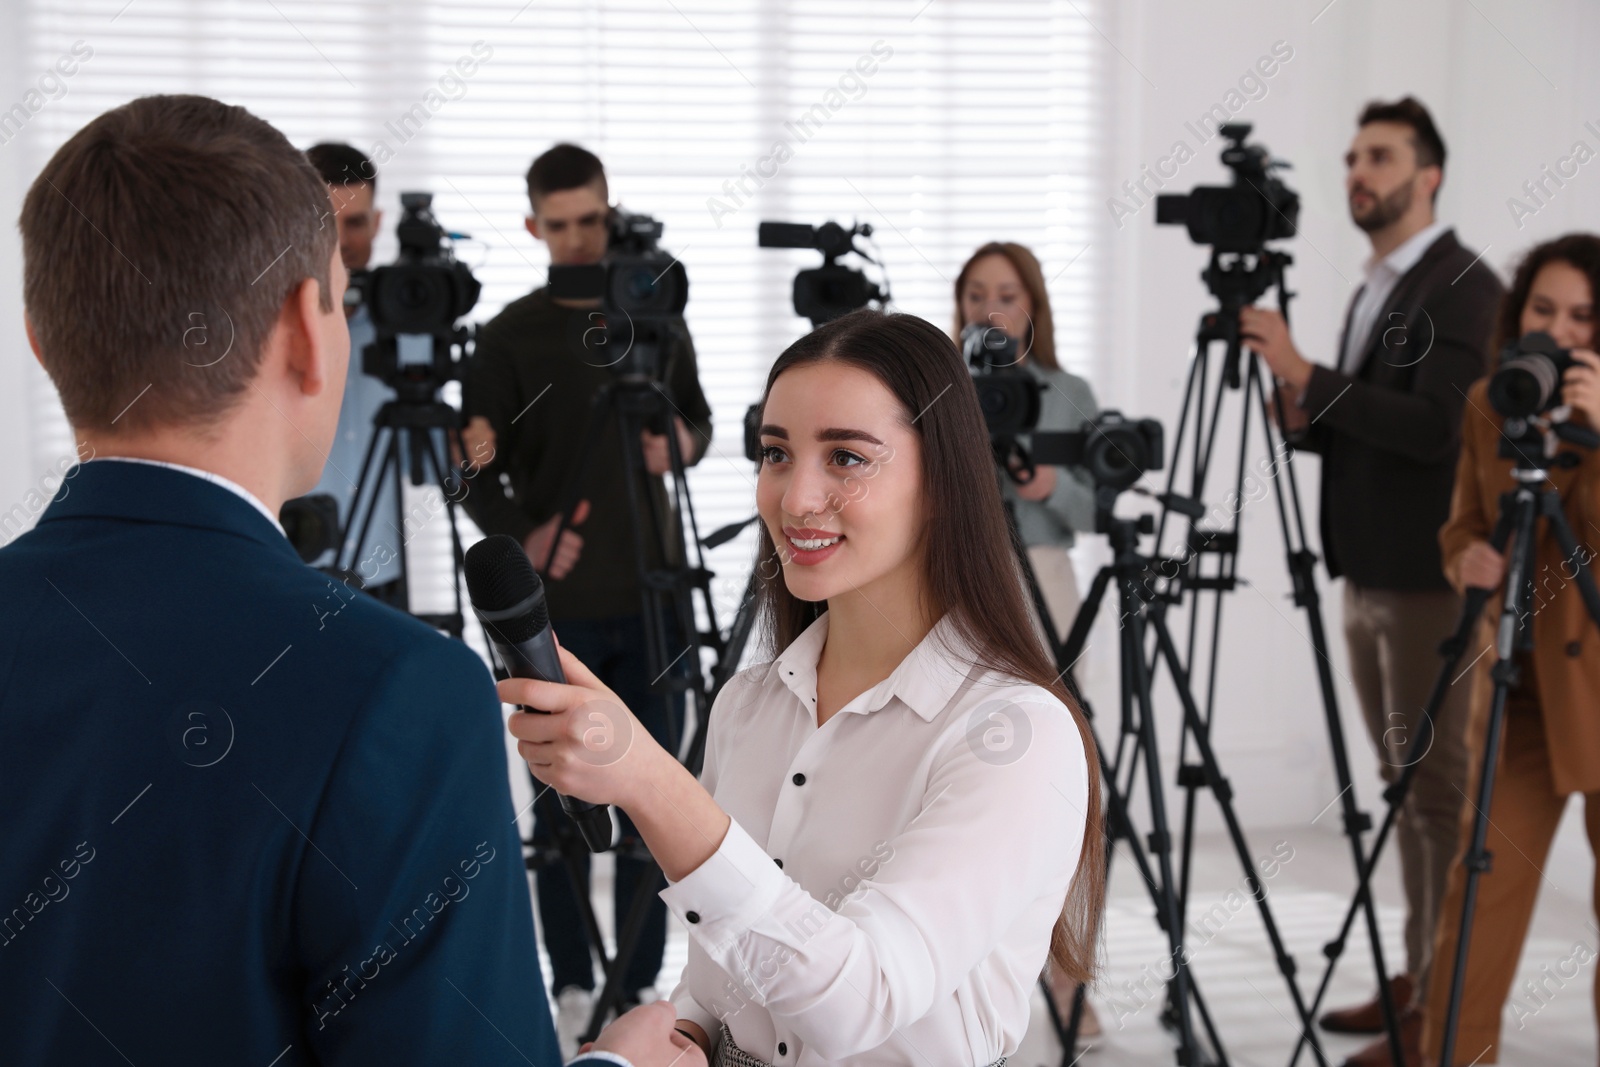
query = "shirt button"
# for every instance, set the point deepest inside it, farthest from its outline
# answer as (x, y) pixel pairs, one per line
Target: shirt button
(798, 779)
(779, 863)
(1574, 648)
(692, 916)
(783, 1050)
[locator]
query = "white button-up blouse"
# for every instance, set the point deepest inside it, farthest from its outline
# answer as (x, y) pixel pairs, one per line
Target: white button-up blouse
(887, 890)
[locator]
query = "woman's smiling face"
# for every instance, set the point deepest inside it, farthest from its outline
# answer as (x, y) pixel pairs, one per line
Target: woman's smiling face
(840, 486)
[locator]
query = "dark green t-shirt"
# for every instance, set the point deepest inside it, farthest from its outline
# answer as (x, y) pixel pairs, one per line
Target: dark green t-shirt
(538, 368)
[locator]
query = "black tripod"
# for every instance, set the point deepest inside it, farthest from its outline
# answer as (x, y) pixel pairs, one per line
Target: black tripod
(631, 403)
(1143, 615)
(1520, 510)
(408, 435)
(1237, 283)
(1119, 823)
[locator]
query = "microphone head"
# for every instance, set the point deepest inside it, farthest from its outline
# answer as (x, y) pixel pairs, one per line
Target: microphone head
(505, 590)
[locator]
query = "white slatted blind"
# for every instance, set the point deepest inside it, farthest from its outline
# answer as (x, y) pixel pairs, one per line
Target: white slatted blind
(978, 121)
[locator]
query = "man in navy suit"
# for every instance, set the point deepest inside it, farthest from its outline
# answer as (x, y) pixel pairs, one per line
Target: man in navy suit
(246, 815)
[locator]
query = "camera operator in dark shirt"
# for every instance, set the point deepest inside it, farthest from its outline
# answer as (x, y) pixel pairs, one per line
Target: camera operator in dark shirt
(538, 367)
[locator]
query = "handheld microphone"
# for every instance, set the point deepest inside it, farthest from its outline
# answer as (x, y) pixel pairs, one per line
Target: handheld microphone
(508, 598)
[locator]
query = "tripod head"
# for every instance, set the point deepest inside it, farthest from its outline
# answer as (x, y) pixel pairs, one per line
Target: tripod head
(1533, 443)
(1238, 280)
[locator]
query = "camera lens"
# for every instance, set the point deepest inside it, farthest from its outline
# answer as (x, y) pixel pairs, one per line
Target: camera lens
(1524, 386)
(1117, 456)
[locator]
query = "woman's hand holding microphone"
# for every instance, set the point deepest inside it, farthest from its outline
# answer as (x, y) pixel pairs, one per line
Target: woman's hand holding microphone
(583, 741)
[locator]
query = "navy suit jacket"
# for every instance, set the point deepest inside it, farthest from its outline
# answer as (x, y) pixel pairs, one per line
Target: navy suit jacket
(246, 814)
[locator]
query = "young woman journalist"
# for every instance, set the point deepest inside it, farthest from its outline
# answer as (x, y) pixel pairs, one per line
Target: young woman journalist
(898, 818)
(1550, 746)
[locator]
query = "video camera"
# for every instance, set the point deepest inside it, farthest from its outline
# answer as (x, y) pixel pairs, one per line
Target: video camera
(832, 290)
(1237, 221)
(823, 293)
(1257, 208)
(642, 291)
(423, 293)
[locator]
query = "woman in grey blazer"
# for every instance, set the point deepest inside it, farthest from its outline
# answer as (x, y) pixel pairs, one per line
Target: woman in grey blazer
(1002, 285)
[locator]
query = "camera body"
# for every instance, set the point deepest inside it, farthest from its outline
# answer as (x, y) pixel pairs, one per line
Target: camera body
(425, 292)
(1115, 450)
(642, 290)
(1243, 217)
(1528, 380)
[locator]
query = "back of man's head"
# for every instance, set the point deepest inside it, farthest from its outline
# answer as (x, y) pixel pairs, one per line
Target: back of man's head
(164, 233)
(1410, 112)
(562, 167)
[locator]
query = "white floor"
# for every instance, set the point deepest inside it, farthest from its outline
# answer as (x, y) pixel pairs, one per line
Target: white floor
(1248, 998)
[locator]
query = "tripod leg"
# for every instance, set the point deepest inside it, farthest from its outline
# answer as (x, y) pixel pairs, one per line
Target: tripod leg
(1160, 840)
(1524, 504)
(1354, 822)
(627, 942)
(456, 621)
(572, 853)
(1223, 792)
(368, 474)
(1452, 649)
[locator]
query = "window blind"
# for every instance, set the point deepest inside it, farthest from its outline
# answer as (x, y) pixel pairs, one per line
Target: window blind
(943, 124)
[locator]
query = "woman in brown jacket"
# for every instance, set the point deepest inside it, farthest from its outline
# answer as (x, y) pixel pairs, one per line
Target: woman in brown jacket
(1551, 743)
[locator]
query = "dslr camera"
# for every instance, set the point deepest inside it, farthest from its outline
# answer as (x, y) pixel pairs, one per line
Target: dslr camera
(1116, 451)
(1528, 380)
(1008, 395)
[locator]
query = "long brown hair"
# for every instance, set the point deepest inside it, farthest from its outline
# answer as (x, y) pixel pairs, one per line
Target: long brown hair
(1040, 344)
(1579, 250)
(964, 553)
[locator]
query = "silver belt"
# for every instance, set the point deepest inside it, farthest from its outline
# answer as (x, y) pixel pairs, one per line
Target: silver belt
(729, 1054)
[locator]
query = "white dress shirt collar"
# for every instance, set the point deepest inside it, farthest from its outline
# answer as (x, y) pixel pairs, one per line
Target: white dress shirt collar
(1404, 257)
(210, 476)
(1382, 276)
(924, 681)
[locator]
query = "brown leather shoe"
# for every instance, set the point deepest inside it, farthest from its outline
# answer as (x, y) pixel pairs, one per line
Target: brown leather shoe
(1368, 1018)
(1377, 1053)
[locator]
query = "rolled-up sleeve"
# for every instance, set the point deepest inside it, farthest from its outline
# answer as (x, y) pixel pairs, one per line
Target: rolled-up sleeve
(966, 871)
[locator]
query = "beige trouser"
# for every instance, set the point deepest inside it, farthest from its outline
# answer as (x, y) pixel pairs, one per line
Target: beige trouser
(1524, 812)
(1393, 638)
(1058, 582)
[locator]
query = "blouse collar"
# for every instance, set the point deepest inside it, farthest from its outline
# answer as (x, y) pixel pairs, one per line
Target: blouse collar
(925, 681)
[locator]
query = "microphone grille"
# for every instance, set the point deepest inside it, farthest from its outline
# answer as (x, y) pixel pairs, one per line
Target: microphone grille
(499, 577)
